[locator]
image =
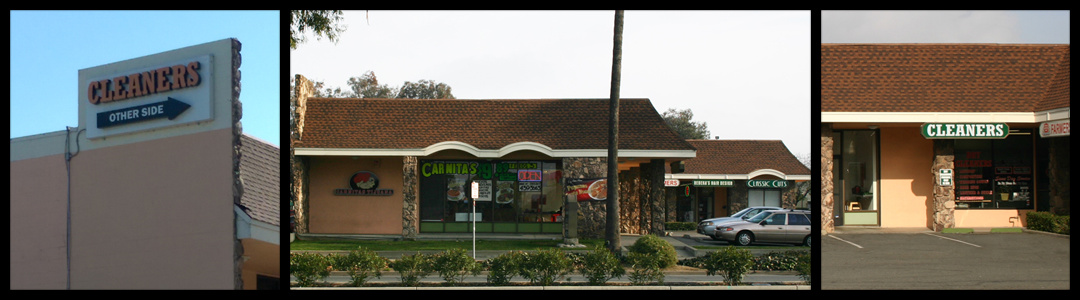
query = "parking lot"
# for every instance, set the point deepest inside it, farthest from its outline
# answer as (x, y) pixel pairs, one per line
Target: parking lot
(932, 260)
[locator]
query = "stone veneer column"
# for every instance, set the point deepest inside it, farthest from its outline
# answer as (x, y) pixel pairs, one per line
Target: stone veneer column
(944, 196)
(298, 167)
(826, 179)
(409, 213)
(238, 182)
(592, 215)
(655, 174)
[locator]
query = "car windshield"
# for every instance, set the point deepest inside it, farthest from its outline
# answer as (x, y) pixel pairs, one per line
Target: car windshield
(741, 212)
(757, 218)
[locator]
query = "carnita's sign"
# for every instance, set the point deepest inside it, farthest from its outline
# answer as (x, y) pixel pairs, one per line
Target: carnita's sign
(965, 130)
(363, 183)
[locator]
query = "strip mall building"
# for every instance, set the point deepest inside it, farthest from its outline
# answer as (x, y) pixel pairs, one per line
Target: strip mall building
(943, 135)
(156, 188)
(405, 167)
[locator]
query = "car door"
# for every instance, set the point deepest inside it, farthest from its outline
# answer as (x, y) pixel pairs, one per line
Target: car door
(798, 227)
(771, 229)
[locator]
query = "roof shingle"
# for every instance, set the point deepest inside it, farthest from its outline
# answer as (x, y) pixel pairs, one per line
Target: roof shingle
(742, 157)
(944, 77)
(485, 124)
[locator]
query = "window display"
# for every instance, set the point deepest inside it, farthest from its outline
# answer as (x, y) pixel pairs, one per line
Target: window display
(509, 191)
(995, 173)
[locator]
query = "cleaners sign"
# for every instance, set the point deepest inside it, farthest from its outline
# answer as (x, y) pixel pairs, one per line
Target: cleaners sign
(965, 130)
(144, 94)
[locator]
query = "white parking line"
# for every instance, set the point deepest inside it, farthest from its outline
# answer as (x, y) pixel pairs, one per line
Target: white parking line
(955, 240)
(842, 240)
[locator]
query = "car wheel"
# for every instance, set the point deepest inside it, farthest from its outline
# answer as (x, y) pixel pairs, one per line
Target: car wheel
(744, 238)
(806, 241)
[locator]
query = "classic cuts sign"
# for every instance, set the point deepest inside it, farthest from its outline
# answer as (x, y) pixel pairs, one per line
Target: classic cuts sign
(151, 96)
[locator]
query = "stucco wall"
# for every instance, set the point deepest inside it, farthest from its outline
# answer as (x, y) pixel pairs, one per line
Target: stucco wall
(329, 213)
(38, 210)
(906, 182)
(154, 215)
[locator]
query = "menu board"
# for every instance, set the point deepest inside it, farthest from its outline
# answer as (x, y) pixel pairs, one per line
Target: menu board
(973, 174)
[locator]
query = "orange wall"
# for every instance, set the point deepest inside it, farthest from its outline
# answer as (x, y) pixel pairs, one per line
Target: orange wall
(906, 182)
(329, 213)
(38, 209)
(155, 214)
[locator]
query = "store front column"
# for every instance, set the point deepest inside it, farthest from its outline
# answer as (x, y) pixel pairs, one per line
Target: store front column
(826, 179)
(944, 194)
(410, 208)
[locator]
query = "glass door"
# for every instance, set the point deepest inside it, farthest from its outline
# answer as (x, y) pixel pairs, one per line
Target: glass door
(856, 182)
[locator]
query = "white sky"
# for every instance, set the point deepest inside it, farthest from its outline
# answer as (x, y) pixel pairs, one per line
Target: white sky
(746, 74)
(1005, 27)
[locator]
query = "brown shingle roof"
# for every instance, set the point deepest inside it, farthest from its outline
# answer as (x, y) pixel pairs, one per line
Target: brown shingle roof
(485, 124)
(944, 77)
(260, 170)
(742, 157)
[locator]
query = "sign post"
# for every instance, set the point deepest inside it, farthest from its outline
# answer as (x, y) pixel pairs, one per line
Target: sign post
(475, 194)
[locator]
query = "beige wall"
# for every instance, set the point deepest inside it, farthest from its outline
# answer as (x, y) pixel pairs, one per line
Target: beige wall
(906, 183)
(154, 215)
(329, 213)
(38, 210)
(262, 258)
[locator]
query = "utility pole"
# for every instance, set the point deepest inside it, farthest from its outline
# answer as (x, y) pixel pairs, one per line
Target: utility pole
(613, 141)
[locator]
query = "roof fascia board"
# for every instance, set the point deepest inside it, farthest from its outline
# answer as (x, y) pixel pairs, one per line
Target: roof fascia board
(730, 176)
(485, 153)
(925, 117)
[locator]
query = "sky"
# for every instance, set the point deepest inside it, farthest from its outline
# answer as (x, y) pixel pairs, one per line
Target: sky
(48, 48)
(1004, 27)
(746, 74)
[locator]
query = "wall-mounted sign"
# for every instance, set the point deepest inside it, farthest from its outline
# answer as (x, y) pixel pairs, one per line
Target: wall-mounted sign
(767, 183)
(965, 130)
(170, 109)
(671, 182)
(363, 183)
(1054, 128)
(713, 183)
(945, 177)
(146, 94)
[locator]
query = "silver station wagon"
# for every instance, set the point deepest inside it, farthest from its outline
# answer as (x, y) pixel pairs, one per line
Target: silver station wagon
(771, 226)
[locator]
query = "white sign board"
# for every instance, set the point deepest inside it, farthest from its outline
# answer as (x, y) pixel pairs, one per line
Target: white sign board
(1054, 128)
(945, 177)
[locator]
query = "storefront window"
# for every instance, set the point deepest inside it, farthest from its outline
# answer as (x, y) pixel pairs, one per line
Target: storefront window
(509, 191)
(995, 173)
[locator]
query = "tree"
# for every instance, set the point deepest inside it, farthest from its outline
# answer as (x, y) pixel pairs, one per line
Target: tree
(367, 86)
(680, 122)
(321, 22)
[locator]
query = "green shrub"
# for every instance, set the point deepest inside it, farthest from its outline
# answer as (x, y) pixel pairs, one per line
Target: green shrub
(805, 266)
(654, 244)
(1049, 222)
(645, 267)
(309, 268)
(362, 264)
(546, 266)
(413, 268)
(730, 262)
(778, 261)
(502, 268)
(454, 264)
(680, 226)
(599, 266)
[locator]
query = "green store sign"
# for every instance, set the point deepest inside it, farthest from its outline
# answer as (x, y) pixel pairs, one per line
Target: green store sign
(767, 183)
(965, 130)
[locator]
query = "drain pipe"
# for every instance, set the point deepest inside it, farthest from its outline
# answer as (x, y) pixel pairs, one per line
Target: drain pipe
(67, 163)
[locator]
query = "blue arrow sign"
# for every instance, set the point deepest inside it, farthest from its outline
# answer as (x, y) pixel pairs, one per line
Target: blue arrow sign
(165, 109)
